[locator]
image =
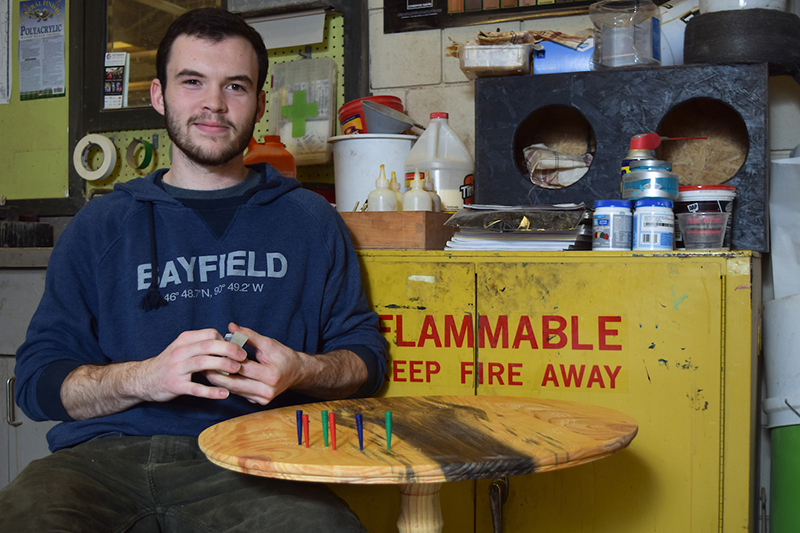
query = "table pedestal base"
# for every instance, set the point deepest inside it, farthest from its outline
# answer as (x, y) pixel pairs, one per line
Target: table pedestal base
(420, 510)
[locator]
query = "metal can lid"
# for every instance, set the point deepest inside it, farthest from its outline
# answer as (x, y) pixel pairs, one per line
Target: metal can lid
(612, 203)
(651, 163)
(653, 202)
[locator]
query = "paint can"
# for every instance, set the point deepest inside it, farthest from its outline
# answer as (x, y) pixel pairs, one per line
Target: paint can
(653, 225)
(650, 178)
(612, 225)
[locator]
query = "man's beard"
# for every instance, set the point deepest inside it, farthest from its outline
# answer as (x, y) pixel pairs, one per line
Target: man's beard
(196, 153)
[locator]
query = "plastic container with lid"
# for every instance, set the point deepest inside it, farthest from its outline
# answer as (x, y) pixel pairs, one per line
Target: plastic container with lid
(271, 151)
(302, 105)
(612, 225)
(441, 152)
(705, 198)
(653, 225)
(478, 60)
(626, 33)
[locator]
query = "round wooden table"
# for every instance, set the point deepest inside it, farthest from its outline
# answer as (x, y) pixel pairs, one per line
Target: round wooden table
(434, 439)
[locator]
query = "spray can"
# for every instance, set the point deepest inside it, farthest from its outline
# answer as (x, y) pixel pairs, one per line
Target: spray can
(643, 146)
(441, 152)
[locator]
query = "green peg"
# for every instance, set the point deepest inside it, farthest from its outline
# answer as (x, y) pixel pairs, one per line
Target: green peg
(325, 427)
(389, 430)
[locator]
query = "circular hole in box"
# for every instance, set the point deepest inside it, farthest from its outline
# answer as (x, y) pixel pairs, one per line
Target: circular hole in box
(563, 129)
(709, 161)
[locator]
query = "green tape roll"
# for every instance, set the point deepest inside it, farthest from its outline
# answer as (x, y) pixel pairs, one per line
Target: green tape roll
(131, 154)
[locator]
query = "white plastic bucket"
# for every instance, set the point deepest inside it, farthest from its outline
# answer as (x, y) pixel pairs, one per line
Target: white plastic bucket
(357, 161)
(782, 361)
(711, 6)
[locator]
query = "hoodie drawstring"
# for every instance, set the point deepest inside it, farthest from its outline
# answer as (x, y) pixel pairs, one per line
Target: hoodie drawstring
(152, 299)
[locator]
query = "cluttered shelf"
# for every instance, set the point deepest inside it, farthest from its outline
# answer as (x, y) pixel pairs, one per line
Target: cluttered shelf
(24, 257)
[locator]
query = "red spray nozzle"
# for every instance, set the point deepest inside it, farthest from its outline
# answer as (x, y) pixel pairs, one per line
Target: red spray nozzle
(651, 141)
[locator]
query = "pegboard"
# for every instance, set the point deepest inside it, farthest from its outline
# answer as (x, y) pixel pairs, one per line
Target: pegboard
(617, 104)
(315, 176)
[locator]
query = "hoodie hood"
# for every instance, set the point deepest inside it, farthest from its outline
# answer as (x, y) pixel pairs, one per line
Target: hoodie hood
(272, 185)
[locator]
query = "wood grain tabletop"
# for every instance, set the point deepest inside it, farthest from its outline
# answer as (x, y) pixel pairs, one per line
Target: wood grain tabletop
(434, 439)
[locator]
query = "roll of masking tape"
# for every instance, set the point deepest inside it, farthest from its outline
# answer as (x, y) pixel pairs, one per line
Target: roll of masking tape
(81, 155)
(131, 154)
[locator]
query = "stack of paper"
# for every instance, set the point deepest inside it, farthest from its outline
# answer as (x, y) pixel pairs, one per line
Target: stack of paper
(521, 228)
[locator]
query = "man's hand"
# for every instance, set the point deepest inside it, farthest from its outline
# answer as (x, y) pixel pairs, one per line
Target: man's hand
(90, 391)
(278, 368)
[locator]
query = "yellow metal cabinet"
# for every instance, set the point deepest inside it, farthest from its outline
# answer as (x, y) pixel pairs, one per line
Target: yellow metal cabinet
(668, 338)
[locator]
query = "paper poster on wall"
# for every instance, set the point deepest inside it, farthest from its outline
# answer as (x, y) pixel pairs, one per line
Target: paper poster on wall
(42, 25)
(115, 80)
(5, 51)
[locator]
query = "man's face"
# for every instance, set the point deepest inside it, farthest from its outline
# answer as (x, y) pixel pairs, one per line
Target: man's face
(211, 103)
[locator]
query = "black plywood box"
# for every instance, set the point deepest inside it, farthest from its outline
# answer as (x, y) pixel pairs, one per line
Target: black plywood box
(619, 104)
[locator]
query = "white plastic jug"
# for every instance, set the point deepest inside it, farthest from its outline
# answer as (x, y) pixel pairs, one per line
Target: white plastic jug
(441, 152)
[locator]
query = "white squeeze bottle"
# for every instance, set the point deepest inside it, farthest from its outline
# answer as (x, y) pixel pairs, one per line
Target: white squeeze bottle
(437, 201)
(440, 152)
(382, 198)
(395, 186)
(417, 198)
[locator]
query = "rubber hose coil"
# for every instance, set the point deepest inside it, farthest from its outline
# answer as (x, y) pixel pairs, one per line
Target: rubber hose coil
(745, 36)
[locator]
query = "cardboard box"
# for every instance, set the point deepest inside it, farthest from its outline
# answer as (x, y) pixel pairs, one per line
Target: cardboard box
(399, 230)
(559, 58)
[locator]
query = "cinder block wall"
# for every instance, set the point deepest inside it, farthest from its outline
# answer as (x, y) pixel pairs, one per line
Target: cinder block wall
(413, 67)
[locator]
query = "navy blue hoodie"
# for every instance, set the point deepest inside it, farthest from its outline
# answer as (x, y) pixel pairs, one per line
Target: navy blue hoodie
(285, 267)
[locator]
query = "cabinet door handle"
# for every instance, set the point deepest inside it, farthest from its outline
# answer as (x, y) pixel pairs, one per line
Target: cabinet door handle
(10, 415)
